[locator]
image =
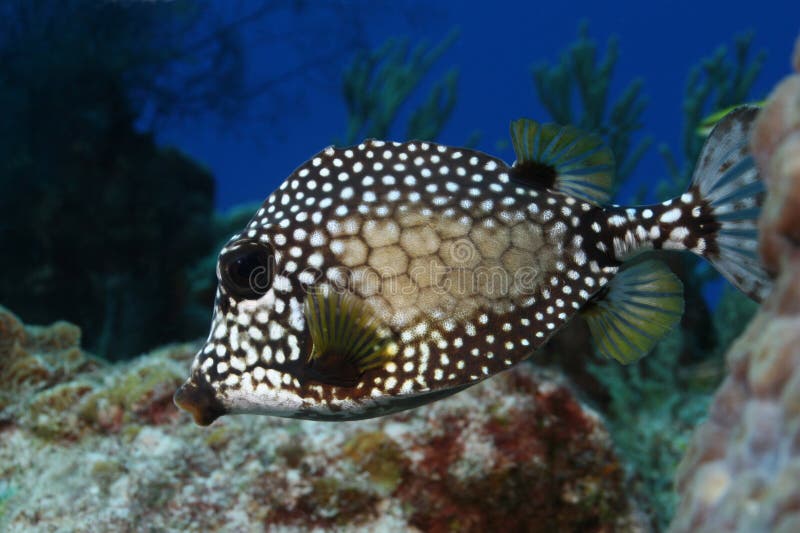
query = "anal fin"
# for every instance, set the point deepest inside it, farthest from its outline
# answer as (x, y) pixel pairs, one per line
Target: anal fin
(641, 305)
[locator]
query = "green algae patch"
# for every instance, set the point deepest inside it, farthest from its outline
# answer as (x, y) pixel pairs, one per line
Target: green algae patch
(106, 472)
(218, 438)
(379, 456)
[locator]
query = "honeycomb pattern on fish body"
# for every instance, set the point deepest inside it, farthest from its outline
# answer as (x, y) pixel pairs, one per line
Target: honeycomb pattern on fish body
(471, 270)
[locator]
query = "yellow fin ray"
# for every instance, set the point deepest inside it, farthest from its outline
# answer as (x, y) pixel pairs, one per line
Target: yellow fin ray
(348, 339)
(643, 303)
(582, 164)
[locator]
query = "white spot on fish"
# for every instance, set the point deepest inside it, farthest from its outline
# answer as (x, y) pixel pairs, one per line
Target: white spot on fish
(616, 220)
(671, 216)
(679, 234)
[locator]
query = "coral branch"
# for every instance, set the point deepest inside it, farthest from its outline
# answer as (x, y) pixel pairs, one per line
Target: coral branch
(379, 82)
(580, 72)
(715, 83)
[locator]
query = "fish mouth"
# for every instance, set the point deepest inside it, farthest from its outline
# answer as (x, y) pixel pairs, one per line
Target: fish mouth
(197, 397)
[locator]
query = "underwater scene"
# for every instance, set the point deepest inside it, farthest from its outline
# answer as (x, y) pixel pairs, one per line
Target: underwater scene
(346, 265)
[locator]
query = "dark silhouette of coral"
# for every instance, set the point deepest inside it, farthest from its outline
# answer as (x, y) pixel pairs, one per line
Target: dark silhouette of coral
(100, 223)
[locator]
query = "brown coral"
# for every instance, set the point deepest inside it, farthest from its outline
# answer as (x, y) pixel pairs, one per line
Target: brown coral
(742, 471)
(107, 447)
(541, 464)
(776, 147)
(519, 453)
(51, 387)
(34, 358)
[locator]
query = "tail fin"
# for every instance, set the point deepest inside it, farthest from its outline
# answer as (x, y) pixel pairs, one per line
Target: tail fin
(729, 186)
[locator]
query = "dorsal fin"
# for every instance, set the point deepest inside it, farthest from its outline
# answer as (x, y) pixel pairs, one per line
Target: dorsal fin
(641, 305)
(347, 338)
(562, 158)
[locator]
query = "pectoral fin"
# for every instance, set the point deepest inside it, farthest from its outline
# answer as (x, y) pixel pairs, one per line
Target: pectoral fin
(347, 338)
(641, 305)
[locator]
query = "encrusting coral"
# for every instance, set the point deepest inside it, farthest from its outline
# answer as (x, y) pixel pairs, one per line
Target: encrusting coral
(742, 470)
(53, 389)
(87, 446)
(35, 358)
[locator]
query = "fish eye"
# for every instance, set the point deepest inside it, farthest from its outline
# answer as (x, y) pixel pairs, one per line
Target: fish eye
(246, 271)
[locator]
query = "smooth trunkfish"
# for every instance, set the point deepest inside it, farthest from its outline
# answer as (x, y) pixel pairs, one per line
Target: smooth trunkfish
(387, 275)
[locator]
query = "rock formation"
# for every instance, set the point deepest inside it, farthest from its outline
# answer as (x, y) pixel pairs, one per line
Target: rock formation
(742, 470)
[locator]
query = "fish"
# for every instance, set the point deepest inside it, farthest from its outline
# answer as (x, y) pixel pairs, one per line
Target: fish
(383, 276)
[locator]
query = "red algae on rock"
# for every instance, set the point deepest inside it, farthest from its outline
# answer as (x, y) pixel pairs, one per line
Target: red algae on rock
(540, 464)
(518, 452)
(742, 470)
(97, 447)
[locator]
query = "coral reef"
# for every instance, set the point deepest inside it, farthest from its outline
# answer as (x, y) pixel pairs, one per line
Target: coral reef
(100, 447)
(652, 407)
(650, 422)
(655, 405)
(54, 390)
(35, 358)
(579, 72)
(742, 470)
(714, 84)
(378, 83)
